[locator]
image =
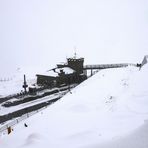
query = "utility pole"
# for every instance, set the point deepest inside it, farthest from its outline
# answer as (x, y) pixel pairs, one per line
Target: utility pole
(25, 84)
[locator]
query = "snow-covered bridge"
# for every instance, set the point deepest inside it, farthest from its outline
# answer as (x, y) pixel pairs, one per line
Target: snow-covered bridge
(105, 66)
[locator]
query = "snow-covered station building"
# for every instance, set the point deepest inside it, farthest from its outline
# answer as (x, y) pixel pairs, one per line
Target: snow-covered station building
(64, 74)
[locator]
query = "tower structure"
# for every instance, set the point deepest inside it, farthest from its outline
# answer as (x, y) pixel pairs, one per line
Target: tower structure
(25, 84)
(76, 64)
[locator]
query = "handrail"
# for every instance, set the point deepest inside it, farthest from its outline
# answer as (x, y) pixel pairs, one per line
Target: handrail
(19, 119)
(104, 66)
(27, 115)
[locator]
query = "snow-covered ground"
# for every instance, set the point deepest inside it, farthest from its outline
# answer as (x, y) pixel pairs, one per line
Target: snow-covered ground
(109, 110)
(12, 82)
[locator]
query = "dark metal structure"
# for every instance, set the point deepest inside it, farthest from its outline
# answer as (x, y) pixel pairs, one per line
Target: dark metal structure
(25, 84)
(105, 66)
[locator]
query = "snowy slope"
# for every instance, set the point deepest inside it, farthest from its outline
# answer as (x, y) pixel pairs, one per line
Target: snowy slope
(107, 110)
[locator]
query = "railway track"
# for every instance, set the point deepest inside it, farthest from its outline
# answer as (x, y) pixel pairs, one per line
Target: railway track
(36, 103)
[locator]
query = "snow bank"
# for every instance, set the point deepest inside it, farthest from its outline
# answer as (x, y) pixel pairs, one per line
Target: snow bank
(107, 110)
(136, 139)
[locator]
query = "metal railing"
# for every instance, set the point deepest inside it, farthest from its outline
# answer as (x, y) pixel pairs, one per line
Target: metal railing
(27, 115)
(104, 66)
(19, 119)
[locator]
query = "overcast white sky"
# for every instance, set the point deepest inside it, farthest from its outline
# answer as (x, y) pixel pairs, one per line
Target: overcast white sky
(40, 33)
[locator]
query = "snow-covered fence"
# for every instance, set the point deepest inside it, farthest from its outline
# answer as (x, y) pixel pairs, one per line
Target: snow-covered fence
(5, 79)
(18, 120)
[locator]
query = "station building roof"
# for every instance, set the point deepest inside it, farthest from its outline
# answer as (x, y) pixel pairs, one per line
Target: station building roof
(55, 72)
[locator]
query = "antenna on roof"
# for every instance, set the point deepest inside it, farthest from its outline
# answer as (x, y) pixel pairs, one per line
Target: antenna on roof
(75, 53)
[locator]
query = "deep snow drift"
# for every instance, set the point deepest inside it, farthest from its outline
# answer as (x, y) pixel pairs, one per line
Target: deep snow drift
(109, 110)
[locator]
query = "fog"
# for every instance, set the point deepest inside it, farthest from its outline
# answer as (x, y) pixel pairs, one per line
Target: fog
(40, 33)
